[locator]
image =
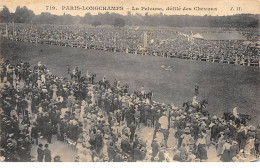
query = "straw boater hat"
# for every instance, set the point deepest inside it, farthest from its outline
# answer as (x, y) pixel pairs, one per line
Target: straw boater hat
(106, 136)
(88, 116)
(234, 143)
(106, 159)
(204, 118)
(187, 130)
(125, 138)
(156, 158)
(251, 127)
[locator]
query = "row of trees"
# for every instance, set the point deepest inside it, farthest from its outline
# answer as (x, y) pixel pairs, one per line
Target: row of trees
(21, 15)
(24, 15)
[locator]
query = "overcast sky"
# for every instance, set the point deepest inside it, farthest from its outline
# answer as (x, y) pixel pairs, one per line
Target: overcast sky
(224, 7)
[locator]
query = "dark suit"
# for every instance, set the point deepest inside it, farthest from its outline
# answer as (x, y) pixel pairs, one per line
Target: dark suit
(47, 155)
(40, 154)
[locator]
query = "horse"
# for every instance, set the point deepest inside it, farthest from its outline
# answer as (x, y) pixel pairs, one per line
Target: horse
(186, 105)
(76, 75)
(241, 119)
(138, 94)
(125, 88)
(106, 84)
(149, 95)
(229, 116)
(26, 65)
(91, 78)
(196, 90)
(201, 106)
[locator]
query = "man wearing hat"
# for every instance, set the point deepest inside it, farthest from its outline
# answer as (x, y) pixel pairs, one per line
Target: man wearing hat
(132, 128)
(111, 151)
(125, 145)
(40, 153)
(47, 153)
(98, 141)
(34, 132)
(214, 131)
(155, 148)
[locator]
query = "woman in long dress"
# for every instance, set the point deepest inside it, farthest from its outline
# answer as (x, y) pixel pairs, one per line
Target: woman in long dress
(54, 95)
(249, 147)
(201, 151)
(208, 137)
(226, 152)
(221, 142)
(29, 106)
(82, 111)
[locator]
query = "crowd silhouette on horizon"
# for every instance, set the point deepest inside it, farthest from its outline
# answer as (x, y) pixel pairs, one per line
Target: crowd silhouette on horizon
(163, 42)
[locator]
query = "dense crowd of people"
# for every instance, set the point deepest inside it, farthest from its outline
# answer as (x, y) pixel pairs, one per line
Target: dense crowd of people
(164, 42)
(102, 121)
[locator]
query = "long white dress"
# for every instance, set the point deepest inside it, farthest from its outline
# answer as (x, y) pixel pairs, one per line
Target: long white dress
(54, 95)
(43, 78)
(249, 147)
(82, 111)
(29, 107)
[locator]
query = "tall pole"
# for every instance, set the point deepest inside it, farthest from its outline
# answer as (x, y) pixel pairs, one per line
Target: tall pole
(13, 30)
(145, 39)
(13, 24)
(6, 31)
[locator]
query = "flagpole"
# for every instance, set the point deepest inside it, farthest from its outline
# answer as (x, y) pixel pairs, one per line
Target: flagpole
(6, 31)
(13, 30)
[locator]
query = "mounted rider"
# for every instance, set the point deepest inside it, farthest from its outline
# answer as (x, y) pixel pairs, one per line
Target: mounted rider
(235, 112)
(195, 101)
(87, 75)
(68, 69)
(104, 79)
(142, 90)
(74, 72)
(196, 90)
(118, 85)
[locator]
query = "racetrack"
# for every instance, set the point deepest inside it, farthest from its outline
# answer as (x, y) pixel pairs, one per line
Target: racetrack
(225, 86)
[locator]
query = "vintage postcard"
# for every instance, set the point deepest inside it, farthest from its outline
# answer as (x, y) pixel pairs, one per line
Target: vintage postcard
(129, 80)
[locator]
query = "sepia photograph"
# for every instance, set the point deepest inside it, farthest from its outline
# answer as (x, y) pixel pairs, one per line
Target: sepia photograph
(129, 81)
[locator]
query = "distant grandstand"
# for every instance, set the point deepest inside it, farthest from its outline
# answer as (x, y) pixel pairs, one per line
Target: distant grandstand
(220, 36)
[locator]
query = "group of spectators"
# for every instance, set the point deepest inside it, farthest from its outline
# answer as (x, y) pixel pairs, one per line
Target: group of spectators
(164, 42)
(103, 122)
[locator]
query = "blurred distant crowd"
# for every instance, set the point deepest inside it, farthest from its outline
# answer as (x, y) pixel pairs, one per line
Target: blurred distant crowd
(163, 42)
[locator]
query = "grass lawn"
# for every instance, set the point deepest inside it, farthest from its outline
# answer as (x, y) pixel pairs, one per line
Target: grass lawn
(225, 86)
